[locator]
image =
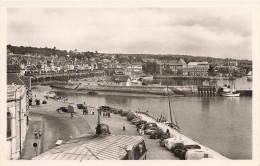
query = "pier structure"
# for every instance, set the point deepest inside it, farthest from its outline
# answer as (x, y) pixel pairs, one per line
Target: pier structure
(207, 90)
(174, 132)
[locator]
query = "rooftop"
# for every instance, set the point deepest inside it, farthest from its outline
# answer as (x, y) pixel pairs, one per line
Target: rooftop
(108, 147)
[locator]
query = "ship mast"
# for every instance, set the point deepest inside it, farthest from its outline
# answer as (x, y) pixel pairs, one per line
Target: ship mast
(169, 102)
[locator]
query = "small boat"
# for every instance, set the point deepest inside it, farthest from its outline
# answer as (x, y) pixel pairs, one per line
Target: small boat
(92, 93)
(231, 94)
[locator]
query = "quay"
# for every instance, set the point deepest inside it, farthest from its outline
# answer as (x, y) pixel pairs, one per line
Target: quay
(152, 89)
(173, 132)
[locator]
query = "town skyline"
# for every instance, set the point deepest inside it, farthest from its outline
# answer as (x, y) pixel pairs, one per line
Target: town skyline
(217, 34)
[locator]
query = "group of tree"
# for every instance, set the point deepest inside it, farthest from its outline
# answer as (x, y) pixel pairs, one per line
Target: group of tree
(49, 51)
(150, 68)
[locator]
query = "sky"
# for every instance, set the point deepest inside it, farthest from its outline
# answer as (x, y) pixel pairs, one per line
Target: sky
(213, 32)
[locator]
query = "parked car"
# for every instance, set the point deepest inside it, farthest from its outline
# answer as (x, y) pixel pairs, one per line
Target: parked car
(135, 120)
(182, 151)
(124, 113)
(197, 154)
(150, 125)
(170, 142)
(63, 109)
(157, 134)
(162, 139)
(131, 116)
(150, 130)
(141, 123)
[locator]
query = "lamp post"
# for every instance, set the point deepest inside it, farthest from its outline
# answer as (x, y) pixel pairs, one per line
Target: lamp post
(98, 128)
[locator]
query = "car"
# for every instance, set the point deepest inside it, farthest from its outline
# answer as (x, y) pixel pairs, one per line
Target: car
(162, 139)
(140, 124)
(80, 106)
(135, 120)
(131, 116)
(104, 108)
(150, 130)
(182, 151)
(63, 109)
(157, 134)
(150, 125)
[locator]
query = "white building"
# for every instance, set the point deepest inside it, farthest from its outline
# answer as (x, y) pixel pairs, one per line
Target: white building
(17, 120)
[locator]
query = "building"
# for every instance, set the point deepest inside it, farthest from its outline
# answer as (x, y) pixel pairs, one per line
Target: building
(17, 113)
(175, 66)
(134, 70)
(94, 147)
(17, 119)
(196, 69)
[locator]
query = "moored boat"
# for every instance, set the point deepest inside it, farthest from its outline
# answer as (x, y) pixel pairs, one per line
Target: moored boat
(231, 94)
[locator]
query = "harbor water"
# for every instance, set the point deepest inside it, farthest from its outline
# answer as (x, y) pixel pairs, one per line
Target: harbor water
(222, 124)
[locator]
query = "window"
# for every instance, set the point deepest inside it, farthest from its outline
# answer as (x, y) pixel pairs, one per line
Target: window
(9, 120)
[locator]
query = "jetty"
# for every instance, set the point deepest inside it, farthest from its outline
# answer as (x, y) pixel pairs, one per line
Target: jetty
(175, 133)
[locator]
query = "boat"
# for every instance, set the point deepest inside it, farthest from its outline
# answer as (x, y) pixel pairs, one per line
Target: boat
(231, 94)
(92, 93)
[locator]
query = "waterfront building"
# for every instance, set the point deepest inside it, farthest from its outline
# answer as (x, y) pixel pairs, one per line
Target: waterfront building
(196, 69)
(175, 66)
(94, 147)
(134, 70)
(17, 115)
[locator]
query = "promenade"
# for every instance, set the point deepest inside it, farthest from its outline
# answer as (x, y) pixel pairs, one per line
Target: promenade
(57, 126)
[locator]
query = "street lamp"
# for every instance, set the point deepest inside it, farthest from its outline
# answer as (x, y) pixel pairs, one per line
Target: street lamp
(98, 128)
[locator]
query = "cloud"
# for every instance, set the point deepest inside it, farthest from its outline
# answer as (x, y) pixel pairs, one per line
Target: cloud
(216, 32)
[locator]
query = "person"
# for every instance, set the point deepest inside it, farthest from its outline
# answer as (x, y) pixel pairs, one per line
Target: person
(147, 112)
(108, 114)
(123, 127)
(71, 115)
(35, 134)
(40, 134)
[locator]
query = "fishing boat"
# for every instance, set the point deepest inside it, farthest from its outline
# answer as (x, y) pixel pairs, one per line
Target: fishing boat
(231, 94)
(92, 93)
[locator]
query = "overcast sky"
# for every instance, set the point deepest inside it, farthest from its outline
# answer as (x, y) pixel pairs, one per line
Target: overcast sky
(215, 32)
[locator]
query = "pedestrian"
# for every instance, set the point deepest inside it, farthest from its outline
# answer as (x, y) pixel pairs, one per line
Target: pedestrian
(147, 112)
(108, 114)
(35, 134)
(71, 115)
(140, 131)
(40, 134)
(123, 127)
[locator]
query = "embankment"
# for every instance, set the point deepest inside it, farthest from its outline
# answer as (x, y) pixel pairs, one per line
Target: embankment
(155, 90)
